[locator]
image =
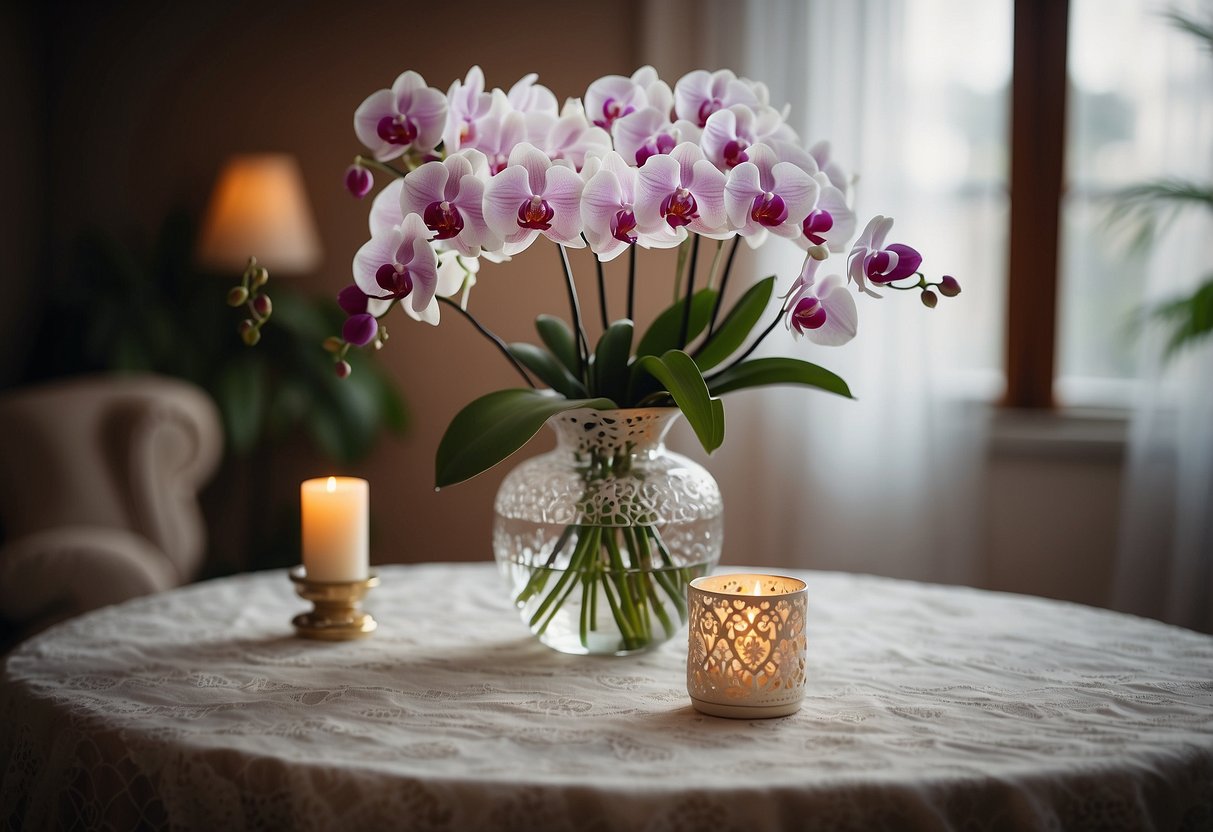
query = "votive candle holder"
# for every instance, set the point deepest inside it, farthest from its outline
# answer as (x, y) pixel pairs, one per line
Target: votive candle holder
(746, 655)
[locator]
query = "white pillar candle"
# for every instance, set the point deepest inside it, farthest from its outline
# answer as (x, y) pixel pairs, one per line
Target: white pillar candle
(335, 517)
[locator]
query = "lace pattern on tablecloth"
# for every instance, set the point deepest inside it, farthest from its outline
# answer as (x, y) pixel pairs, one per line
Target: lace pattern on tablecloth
(928, 707)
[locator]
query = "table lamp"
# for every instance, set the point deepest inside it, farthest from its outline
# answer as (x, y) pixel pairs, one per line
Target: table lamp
(259, 207)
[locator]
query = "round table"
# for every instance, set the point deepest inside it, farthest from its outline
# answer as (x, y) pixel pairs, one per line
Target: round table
(928, 707)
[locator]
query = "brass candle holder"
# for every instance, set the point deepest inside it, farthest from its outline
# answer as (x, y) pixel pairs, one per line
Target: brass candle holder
(336, 614)
(746, 657)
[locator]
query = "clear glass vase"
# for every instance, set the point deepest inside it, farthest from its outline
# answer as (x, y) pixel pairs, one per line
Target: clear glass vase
(599, 538)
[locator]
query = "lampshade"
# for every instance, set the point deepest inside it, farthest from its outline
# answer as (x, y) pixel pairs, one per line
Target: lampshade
(259, 208)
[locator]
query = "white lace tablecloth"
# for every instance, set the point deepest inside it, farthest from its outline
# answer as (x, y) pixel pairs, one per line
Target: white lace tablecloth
(928, 707)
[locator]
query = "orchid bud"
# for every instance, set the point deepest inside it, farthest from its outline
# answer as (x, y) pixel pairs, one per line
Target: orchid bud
(260, 277)
(929, 298)
(343, 369)
(236, 296)
(358, 181)
(352, 300)
(332, 344)
(262, 307)
(250, 333)
(359, 329)
(949, 286)
(382, 332)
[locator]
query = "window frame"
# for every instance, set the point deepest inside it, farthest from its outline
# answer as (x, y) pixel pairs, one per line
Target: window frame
(1038, 136)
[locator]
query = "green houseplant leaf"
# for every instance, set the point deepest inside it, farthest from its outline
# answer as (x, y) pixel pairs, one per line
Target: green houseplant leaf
(548, 369)
(558, 338)
(737, 325)
(662, 334)
(494, 426)
(760, 372)
(680, 376)
(611, 360)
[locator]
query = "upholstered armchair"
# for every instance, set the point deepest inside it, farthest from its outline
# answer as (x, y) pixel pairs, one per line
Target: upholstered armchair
(99, 478)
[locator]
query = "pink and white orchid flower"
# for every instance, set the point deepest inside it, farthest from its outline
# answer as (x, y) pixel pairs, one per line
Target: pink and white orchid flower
(497, 135)
(649, 132)
(449, 197)
(533, 196)
(700, 93)
(871, 260)
(399, 263)
(829, 226)
(729, 132)
(456, 275)
(467, 105)
(528, 97)
(765, 194)
(838, 177)
(408, 117)
(681, 192)
(385, 208)
(613, 96)
(608, 210)
(567, 138)
(824, 312)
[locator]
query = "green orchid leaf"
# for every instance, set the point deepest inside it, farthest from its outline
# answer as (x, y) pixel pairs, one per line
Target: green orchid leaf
(494, 426)
(611, 360)
(558, 338)
(737, 325)
(662, 334)
(760, 372)
(548, 369)
(679, 375)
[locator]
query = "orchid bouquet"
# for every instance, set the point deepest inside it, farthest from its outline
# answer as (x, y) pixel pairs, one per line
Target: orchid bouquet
(633, 164)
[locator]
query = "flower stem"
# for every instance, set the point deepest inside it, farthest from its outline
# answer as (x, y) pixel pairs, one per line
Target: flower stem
(602, 303)
(375, 163)
(724, 284)
(487, 333)
(583, 343)
(757, 341)
(631, 282)
(686, 309)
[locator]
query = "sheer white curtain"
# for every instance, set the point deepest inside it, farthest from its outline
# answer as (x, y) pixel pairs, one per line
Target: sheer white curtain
(1165, 564)
(888, 483)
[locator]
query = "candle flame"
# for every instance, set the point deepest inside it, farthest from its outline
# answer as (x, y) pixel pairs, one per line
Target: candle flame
(757, 588)
(331, 485)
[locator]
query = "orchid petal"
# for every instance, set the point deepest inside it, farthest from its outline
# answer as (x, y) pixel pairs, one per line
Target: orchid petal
(535, 162)
(842, 318)
(379, 250)
(502, 196)
(386, 212)
(740, 189)
(908, 261)
(424, 185)
(563, 194)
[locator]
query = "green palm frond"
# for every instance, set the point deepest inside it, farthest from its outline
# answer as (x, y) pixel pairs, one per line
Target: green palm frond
(1201, 30)
(1188, 319)
(1146, 206)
